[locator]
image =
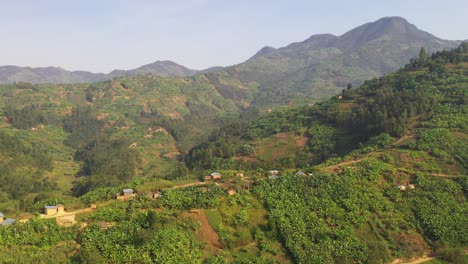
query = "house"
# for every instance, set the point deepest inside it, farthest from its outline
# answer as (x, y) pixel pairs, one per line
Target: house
(154, 195)
(215, 175)
(7, 221)
(273, 176)
(54, 209)
(273, 172)
(127, 192)
(301, 173)
(412, 186)
(231, 192)
(240, 175)
(50, 210)
(401, 187)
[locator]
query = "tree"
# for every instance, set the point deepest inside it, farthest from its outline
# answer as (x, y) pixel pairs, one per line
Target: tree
(422, 55)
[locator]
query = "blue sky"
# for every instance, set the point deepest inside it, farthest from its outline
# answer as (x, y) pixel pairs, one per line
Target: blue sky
(101, 35)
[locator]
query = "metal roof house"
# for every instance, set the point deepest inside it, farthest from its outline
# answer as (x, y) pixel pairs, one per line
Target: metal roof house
(127, 192)
(7, 221)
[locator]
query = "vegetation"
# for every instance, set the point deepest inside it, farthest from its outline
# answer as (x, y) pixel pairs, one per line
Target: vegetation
(383, 172)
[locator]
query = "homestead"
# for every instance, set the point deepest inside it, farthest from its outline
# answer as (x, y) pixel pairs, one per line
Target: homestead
(54, 209)
(213, 176)
(7, 221)
(125, 194)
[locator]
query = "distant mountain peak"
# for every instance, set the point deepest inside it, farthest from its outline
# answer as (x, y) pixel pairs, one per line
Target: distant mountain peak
(264, 52)
(395, 27)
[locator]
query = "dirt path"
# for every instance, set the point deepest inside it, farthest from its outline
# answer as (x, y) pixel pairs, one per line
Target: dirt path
(336, 166)
(446, 175)
(406, 137)
(416, 261)
(189, 184)
(206, 233)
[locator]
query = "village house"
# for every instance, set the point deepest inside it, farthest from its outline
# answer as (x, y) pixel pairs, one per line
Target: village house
(273, 172)
(401, 187)
(231, 192)
(154, 195)
(54, 209)
(215, 175)
(7, 221)
(240, 175)
(301, 173)
(127, 192)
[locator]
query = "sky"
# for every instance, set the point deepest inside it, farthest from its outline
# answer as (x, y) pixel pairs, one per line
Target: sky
(102, 35)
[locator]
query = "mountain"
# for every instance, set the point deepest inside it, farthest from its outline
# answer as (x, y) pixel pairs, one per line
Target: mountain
(323, 65)
(161, 68)
(11, 74)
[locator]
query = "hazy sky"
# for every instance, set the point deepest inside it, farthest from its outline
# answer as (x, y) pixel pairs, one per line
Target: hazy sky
(102, 35)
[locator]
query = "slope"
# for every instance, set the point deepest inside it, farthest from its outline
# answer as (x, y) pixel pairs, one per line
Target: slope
(323, 65)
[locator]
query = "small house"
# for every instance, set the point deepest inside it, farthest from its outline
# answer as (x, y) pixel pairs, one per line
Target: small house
(54, 209)
(2, 216)
(240, 175)
(231, 192)
(401, 187)
(215, 175)
(300, 173)
(50, 210)
(127, 192)
(273, 176)
(273, 172)
(8, 221)
(412, 186)
(154, 195)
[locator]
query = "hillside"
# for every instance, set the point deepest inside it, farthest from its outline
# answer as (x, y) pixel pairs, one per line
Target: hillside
(324, 64)
(375, 175)
(12, 74)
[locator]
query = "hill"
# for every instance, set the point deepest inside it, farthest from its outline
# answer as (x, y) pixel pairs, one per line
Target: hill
(11, 74)
(324, 64)
(393, 105)
(383, 177)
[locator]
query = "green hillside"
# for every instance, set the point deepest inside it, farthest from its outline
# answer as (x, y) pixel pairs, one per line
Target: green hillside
(383, 175)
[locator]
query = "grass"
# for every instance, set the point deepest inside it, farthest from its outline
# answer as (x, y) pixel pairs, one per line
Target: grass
(214, 218)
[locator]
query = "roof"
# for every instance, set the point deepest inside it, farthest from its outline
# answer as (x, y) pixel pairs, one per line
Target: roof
(8, 221)
(127, 190)
(274, 176)
(50, 207)
(2, 215)
(60, 205)
(215, 174)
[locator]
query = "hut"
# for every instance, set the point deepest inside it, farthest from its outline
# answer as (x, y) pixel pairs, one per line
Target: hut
(215, 175)
(231, 192)
(50, 210)
(2, 216)
(401, 187)
(127, 192)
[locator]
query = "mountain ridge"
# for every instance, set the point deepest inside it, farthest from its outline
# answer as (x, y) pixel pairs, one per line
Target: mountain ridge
(322, 59)
(53, 74)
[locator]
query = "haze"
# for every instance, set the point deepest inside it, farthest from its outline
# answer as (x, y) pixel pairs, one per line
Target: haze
(104, 35)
